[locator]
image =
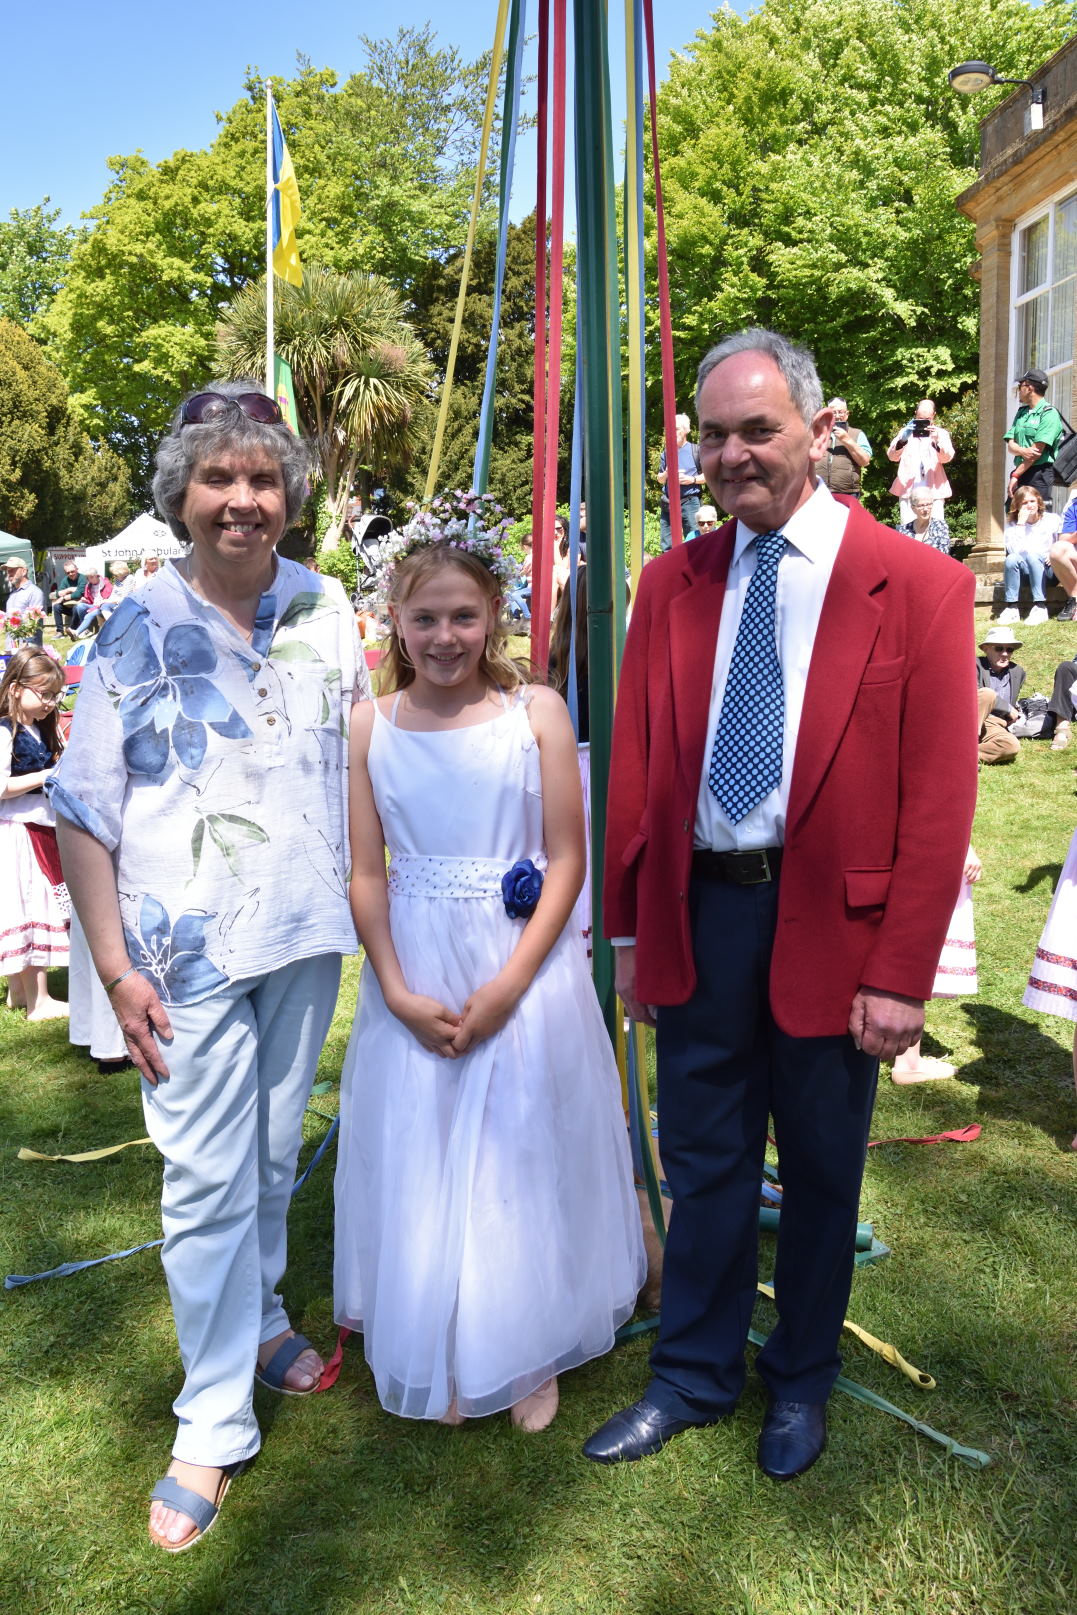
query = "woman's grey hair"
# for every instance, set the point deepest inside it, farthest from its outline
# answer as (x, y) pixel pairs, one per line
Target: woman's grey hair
(796, 364)
(184, 447)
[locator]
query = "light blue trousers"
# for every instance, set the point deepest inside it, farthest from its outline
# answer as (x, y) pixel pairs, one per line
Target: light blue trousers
(228, 1122)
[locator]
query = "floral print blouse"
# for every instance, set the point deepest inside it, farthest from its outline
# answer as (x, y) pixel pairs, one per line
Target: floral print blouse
(215, 771)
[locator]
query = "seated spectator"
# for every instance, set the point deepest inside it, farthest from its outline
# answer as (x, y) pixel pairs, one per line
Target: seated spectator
(66, 595)
(706, 521)
(1030, 533)
(999, 679)
(123, 584)
(98, 588)
(151, 564)
(1063, 558)
(1060, 708)
(924, 525)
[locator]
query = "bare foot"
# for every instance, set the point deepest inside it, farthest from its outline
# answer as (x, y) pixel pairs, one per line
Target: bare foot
(15, 1000)
(452, 1415)
(170, 1526)
(1073, 1146)
(49, 1009)
(304, 1373)
(537, 1411)
(927, 1069)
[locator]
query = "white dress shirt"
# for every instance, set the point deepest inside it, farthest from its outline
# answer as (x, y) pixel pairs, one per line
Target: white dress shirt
(813, 535)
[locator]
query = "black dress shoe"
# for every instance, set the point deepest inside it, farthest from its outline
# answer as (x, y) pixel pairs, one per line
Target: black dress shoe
(792, 1437)
(636, 1432)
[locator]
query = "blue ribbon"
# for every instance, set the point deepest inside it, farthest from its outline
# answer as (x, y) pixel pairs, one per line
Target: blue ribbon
(14, 1280)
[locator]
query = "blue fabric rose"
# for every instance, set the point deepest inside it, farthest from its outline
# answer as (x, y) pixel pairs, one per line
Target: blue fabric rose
(521, 889)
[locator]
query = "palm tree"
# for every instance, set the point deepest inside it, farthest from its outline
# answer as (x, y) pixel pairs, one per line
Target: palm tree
(360, 374)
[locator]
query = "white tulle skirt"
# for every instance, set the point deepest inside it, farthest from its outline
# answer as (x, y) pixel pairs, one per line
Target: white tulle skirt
(487, 1230)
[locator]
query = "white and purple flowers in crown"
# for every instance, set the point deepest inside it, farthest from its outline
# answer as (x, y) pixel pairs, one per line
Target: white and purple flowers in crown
(472, 522)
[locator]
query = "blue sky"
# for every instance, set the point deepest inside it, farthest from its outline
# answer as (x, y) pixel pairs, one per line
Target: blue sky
(85, 82)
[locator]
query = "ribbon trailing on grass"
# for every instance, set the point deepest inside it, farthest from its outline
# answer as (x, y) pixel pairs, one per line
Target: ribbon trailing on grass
(14, 1280)
(84, 1155)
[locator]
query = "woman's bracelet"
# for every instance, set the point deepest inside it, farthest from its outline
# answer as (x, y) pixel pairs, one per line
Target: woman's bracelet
(110, 985)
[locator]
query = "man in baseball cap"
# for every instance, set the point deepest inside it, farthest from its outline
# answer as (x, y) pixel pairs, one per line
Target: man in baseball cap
(23, 595)
(999, 679)
(1034, 436)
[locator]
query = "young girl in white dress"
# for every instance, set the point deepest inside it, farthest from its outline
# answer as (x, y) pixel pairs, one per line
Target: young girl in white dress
(33, 900)
(954, 978)
(487, 1230)
(1052, 982)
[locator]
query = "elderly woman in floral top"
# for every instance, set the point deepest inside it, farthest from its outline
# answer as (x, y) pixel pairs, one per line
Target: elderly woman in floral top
(201, 809)
(926, 528)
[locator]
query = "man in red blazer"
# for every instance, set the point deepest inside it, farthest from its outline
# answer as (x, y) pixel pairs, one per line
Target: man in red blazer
(791, 794)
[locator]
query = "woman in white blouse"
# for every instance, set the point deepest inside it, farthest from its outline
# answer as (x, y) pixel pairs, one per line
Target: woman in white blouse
(1030, 532)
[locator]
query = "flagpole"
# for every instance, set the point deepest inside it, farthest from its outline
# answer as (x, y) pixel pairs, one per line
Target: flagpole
(270, 379)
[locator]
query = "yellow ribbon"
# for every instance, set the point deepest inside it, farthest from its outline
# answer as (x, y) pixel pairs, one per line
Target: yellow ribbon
(882, 1348)
(85, 1155)
(480, 175)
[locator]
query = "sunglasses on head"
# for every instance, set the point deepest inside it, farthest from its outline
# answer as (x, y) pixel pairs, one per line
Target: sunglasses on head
(208, 406)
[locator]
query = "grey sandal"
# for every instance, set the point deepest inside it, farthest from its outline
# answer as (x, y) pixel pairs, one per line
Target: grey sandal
(199, 1510)
(272, 1375)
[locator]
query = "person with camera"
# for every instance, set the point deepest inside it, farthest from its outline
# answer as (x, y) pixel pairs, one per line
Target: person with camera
(847, 453)
(689, 480)
(920, 450)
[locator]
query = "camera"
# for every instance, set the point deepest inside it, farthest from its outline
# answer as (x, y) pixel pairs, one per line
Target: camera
(921, 428)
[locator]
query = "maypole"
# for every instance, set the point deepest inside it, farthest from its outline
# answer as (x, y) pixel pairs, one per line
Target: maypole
(271, 191)
(598, 354)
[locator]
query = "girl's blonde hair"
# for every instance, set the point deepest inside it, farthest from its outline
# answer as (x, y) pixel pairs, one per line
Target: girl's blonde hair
(496, 666)
(23, 667)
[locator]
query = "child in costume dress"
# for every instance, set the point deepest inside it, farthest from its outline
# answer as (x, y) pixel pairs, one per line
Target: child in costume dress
(33, 900)
(1052, 982)
(954, 978)
(487, 1231)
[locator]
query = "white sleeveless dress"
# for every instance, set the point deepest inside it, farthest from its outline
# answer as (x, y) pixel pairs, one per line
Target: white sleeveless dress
(487, 1230)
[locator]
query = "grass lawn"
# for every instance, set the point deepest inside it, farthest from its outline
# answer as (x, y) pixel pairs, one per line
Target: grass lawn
(349, 1510)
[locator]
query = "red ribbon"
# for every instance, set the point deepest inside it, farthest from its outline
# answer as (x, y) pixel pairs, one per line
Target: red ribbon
(960, 1135)
(331, 1371)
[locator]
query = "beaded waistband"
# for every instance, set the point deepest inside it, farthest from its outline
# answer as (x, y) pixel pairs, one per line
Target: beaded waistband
(416, 876)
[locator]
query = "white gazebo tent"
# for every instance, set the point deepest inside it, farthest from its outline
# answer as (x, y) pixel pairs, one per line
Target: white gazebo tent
(146, 532)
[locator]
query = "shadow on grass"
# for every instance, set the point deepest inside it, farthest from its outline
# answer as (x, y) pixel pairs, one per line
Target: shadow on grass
(1023, 1074)
(1042, 875)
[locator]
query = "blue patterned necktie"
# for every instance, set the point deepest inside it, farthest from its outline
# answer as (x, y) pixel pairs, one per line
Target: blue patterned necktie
(746, 764)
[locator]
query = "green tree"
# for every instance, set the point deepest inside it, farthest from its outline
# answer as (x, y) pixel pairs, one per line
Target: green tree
(56, 486)
(361, 376)
(512, 452)
(385, 163)
(811, 154)
(34, 254)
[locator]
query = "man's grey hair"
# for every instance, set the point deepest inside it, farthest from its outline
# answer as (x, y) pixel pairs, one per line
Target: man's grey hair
(836, 403)
(796, 364)
(682, 423)
(185, 447)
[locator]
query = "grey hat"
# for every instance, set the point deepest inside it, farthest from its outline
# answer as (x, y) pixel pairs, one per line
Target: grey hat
(1001, 636)
(1038, 378)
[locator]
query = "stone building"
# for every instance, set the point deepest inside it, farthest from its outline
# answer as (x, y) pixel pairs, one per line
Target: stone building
(1024, 207)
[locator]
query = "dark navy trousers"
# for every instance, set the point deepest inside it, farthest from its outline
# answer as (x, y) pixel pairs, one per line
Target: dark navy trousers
(723, 1068)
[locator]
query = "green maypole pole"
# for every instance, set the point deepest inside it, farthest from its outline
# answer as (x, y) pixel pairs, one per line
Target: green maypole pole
(598, 346)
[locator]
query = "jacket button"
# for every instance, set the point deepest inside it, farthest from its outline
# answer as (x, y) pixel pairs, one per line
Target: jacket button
(686, 826)
(263, 692)
(681, 896)
(271, 721)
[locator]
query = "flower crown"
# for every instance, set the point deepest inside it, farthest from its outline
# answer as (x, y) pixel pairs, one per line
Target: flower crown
(473, 523)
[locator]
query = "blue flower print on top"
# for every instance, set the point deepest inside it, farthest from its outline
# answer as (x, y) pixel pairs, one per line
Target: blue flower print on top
(173, 957)
(166, 710)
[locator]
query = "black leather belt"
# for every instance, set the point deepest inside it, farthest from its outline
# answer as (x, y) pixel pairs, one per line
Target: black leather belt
(739, 868)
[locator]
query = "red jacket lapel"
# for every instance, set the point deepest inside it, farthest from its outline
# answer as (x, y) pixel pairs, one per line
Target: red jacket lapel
(693, 634)
(848, 628)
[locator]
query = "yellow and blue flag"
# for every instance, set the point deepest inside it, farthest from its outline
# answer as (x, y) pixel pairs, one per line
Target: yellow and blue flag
(286, 210)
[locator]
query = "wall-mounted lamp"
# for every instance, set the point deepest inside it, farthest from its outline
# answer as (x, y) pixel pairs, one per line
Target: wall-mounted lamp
(971, 77)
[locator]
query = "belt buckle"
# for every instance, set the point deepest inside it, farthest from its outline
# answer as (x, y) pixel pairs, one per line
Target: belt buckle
(765, 872)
